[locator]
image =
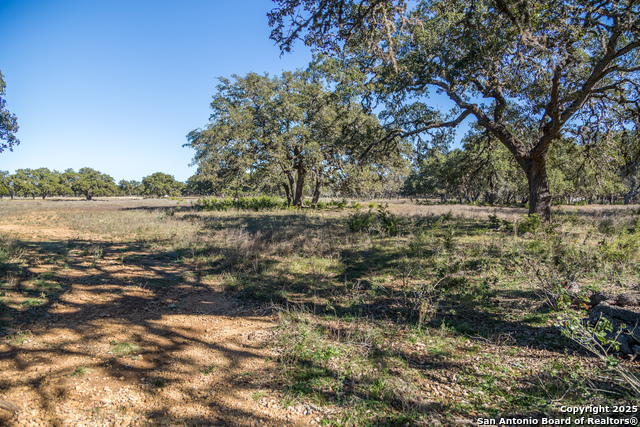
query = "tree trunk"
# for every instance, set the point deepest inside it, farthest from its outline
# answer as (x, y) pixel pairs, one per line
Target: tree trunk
(631, 194)
(539, 195)
(298, 196)
(287, 192)
(316, 192)
(292, 185)
(627, 199)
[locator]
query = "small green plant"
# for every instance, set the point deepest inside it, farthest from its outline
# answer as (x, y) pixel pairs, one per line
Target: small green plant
(33, 302)
(259, 395)
(96, 252)
(420, 245)
(388, 221)
(360, 221)
(494, 221)
(19, 337)
(42, 283)
(448, 241)
(80, 371)
(208, 369)
(608, 227)
(600, 339)
(159, 383)
(125, 348)
(530, 224)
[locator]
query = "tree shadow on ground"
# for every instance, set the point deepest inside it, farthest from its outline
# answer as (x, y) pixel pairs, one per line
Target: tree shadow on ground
(115, 315)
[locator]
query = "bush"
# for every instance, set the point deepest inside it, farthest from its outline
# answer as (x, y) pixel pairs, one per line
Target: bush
(388, 220)
(494, 221)
(360, 221)
(531, 224)
(321, 205)
(339, 204)
(241, 203)
(382, 220)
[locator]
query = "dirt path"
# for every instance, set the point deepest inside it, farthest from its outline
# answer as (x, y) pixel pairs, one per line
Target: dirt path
(132, 338)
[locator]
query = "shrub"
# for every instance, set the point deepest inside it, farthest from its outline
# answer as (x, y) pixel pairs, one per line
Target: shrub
(531, 224)
(494, 221)
(360, 221)
(241, 203)
(341, 204)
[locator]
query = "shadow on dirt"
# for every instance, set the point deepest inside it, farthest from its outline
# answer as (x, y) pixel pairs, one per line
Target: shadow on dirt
(63, 303)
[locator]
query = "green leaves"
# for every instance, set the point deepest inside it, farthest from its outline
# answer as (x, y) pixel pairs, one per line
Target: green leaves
(528, 73)
(90, 182)
(8, 122)
(273, 133)
(161, 184)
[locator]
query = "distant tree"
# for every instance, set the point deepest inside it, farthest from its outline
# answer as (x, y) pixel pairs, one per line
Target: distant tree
(90, 182)
(368, 181)
(67, 178)
(526, 72)
(8, 122)
(8, 182)
(4, 183)
(628, 146)
(25, 182)
(47, 182)
(199, 185)
(129, 188)
(161, 184)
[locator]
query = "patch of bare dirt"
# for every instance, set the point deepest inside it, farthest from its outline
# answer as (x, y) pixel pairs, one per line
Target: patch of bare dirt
(134, 340)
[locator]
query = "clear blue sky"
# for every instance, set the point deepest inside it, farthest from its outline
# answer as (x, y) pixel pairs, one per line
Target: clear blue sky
(116, 85)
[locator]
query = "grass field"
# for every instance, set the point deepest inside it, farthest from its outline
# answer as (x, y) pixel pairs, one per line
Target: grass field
(142, 312)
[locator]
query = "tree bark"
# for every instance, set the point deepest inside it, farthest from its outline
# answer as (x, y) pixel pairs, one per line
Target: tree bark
(539, 194)
(631, 194)
(316, 192)
(287, 192)
(299, 196)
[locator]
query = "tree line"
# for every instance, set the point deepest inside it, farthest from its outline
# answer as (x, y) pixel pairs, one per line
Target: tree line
(87, 182)
(483, 170)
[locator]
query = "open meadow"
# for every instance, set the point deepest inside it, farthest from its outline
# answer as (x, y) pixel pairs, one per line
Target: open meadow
(150, 312)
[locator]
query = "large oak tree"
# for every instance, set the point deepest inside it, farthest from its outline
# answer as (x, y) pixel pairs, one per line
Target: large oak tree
(527, 72)
(287, 130)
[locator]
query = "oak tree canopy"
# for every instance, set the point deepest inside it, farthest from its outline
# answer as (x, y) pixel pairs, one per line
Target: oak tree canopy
(528, 73)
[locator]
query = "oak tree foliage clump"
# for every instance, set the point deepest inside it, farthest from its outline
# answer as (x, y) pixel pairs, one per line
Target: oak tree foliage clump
(90, 182)
(528, 73)
(286, 132)
(161, 184)
(8, 122)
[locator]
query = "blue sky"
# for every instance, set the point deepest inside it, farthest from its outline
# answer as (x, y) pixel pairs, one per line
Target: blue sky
(116, 85)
